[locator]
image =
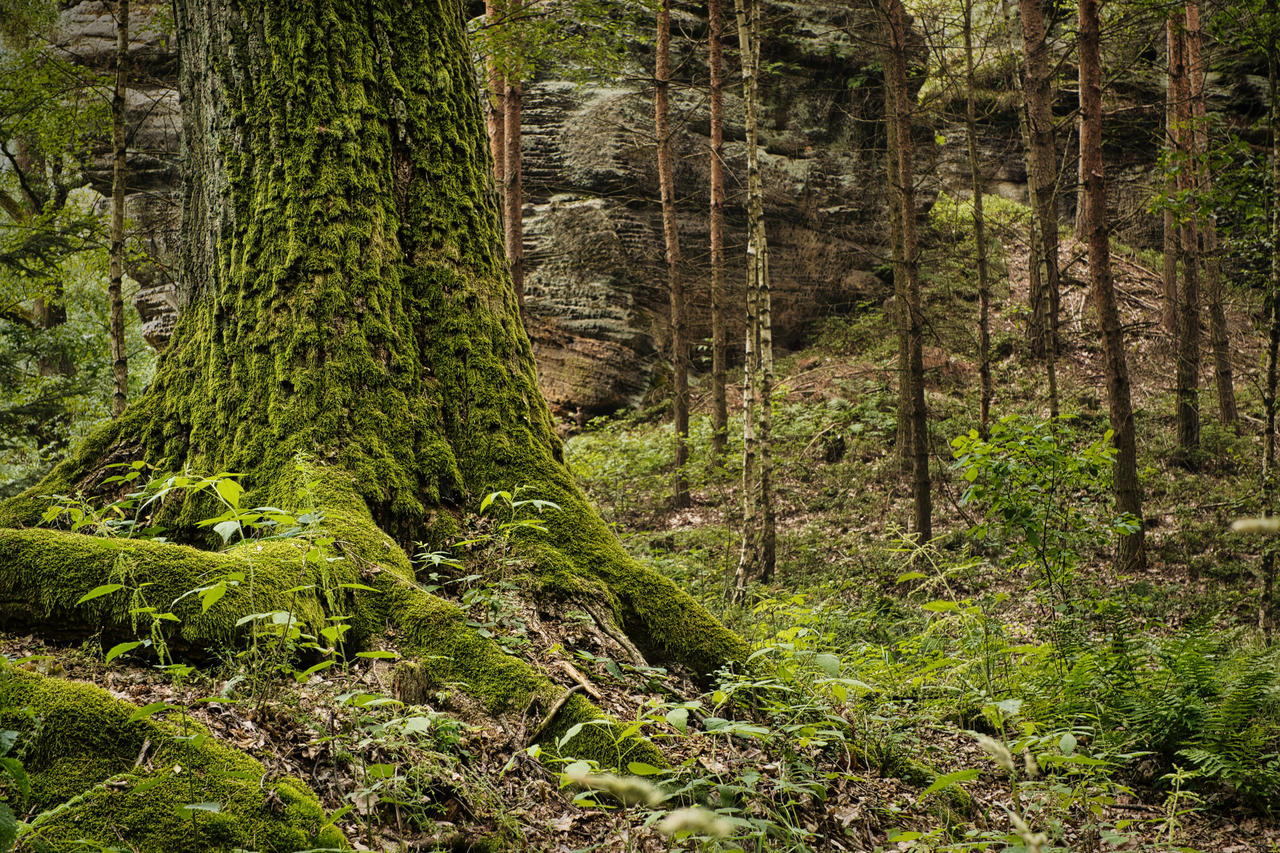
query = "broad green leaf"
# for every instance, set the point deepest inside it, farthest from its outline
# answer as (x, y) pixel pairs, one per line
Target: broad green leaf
(99, 591)
(8, 827)
(679, 717)
(149, 711)
(830, 663)
(120, 648)
(377, 655)
(1067, 743)
(212, 596)
(226, 529)
(230, 491)
(940, 606)
(639, 768)
(18, 773)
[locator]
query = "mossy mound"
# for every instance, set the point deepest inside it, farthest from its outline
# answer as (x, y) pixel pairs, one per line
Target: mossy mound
(96, 776)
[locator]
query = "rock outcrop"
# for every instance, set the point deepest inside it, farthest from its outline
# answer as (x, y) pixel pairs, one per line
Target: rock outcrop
(595, 280)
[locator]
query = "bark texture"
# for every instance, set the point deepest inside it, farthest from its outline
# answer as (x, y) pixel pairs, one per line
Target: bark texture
(719, 339)
(979, 228)
(1132, 551)
(1207, 224)
(115, 292)
(1187, 368)
(353, 336)
(671, 245)
(759, 540)
(903, 180)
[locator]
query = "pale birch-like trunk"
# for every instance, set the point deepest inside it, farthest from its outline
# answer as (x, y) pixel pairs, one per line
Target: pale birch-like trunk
(495, 101)
(759, 542)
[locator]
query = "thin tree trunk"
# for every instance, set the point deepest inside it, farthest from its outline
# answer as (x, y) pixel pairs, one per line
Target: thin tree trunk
(115, 289)
(896, 74)
(719, 403)
(759, 543)
(901, 313)
(1169, 271)
(495, 101)
(1208, 225)
(1187, 371)
(1267, 609)
(1043, 154)
(513, 201)
(979, 230)
(1131, 555)
(671, 240)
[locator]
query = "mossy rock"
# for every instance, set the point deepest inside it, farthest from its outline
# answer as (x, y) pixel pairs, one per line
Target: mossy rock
(98, 777)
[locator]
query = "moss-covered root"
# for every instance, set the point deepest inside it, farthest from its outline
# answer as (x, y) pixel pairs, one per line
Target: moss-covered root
(97, 776)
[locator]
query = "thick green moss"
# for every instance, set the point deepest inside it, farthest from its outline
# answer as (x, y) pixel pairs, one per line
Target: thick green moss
(349, 305)
(81, 752)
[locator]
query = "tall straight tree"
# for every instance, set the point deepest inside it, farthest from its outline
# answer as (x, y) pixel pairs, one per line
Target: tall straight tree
(759, 539)
(1207, 225)
(671, 243)
(1038, 91)
(119, 172)
(979, 224)
(902, 181)
(1169, 222)
(1131, 554)
(1267, 611)
(495, 115)
(1187, 367)
(719, 339)
(901, 313)
(513, 170)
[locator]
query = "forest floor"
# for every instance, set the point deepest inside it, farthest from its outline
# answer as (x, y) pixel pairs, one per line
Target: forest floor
(1137, 713)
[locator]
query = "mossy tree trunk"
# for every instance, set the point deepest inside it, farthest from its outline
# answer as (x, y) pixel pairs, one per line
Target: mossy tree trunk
(352, 332)
(119, 169)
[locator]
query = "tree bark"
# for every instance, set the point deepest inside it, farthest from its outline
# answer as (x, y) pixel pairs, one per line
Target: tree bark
(1169, 270)
(671, 242)
(1207, 223)
(903, 180)
(759, 541)
(1267, 608)
(1187, 372)
(979, 229)
(119, 170)
(901, 313)
(719, 341)
(1044, 178)
(512, 175)
(1131, 555)
(495, 101)
(353, 335)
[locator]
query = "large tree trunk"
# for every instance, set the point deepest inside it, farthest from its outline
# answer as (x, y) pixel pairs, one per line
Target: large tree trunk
(1207, 223)
(903, 180)
(671, 243)
(119, 167)
(1187, 369)
(513, 182)
(1132, 552)
(352, 335)
(719, 340)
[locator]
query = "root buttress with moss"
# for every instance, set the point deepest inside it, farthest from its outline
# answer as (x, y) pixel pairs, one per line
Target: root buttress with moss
(347, 305)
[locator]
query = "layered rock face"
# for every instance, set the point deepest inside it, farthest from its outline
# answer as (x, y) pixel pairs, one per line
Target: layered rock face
(596, 283)
(596, 286)
(87, 34)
